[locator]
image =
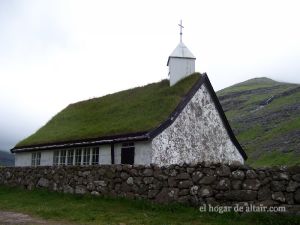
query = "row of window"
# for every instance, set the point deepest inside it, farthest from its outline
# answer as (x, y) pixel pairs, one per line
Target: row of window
(84, 156)
(78, 156)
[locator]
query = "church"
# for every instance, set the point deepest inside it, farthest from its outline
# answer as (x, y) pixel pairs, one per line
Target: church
(174, 121)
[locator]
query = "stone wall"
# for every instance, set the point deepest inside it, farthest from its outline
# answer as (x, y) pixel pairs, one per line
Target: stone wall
(191, 184)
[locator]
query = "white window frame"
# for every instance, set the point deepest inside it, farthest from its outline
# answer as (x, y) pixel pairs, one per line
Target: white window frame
(78, 162)
(70, 156)
(86, 156)
(56, 157)
(36, 158)
(95, 156)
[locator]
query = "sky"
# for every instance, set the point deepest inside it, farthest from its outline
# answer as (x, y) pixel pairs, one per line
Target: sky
(57, 52)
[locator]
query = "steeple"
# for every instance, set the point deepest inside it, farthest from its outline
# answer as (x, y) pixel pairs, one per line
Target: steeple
(181, 62)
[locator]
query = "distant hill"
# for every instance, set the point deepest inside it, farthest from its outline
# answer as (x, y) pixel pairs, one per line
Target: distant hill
(6, 159)
(265, 116)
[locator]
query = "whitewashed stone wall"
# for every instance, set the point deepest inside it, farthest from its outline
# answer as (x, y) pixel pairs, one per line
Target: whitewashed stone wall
(197, 135)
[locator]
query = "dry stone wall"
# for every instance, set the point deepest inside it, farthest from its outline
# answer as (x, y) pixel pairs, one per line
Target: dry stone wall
(190, 184)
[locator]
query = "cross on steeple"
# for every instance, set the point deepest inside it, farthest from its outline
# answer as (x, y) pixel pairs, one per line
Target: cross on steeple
(180, 25)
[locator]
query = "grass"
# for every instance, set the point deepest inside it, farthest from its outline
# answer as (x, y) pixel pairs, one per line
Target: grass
(99, 210)
(135, 110)
(275, 158)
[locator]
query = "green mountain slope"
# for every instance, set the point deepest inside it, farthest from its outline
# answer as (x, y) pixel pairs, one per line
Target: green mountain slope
(6, 158)
(265, 116)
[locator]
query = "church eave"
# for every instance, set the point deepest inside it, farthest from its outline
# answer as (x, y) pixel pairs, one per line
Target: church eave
(178, 57)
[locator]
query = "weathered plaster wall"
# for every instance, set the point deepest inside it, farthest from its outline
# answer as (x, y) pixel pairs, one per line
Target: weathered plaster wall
(197, 135)
(23, 159)
(191, 184)
(143, 153)
(104, 154)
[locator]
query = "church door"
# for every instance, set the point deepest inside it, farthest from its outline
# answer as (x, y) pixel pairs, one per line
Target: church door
(127, 153)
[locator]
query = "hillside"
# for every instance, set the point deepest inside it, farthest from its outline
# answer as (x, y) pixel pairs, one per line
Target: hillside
(265, 116)
(6, 159)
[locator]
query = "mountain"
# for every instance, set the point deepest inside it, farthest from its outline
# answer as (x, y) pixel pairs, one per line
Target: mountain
(265, 116)
(6, 159)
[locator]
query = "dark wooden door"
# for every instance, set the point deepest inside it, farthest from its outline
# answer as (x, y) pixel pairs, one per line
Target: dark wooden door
(127, 155)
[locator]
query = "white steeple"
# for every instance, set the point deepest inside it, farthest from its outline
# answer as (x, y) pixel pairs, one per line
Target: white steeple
(181, 62)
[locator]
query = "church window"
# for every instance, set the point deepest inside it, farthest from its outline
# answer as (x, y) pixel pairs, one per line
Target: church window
(36, 159)
(56, 158)
(70, 157)
(78, 156)
(95, 156)
(86, 156)
(63, 154)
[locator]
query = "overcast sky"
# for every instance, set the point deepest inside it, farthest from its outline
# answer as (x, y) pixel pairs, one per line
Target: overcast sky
(56, 52)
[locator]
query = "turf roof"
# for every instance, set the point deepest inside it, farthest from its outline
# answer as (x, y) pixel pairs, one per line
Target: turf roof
(134, 110)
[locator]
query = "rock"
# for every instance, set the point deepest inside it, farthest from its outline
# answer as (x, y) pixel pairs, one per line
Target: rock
(184, 199)
(101, 183)
(251, 184)
(190, 170)
(240, 195)
(278, 185)
(297, 195)
(183, 176)
(86, 173)
(183, 192)
(95, 193)
(292, 186)
(172, 182)
(268, 203)
(289, 198)
(172, 172)
(278, 196)
(148, 172)
(251, 174)
(129, 181)
(68, 189)
(205, 191)
(264, 194)
(207, 180)
(79, 189)
(194, 190)
(90, 186)
(152, 193)
(283, 176)
(148, 180)
(296, 177)
(224, 184)
(124, 175)
(236, 184)
(197, 176)
(8, 175)
(238, 174)
(43, 182)
(223, 171)
(167, 195)
(185, 184)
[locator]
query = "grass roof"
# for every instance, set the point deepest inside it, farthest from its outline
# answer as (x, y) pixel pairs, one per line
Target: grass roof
(134, 110)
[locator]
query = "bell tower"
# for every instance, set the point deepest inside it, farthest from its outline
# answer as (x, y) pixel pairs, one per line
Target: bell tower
(181, 62)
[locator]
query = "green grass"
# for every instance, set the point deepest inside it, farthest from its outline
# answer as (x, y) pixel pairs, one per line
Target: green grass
(99, 210)
(275, 159)
(134, 110)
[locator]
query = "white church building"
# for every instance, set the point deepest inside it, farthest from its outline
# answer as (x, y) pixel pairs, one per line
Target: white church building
(173, 121)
